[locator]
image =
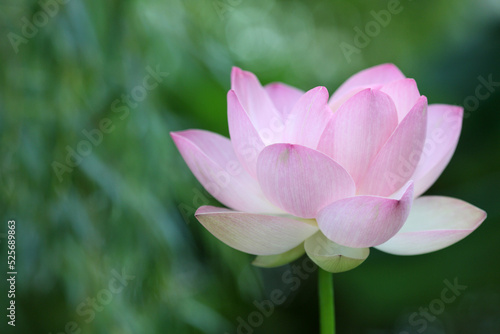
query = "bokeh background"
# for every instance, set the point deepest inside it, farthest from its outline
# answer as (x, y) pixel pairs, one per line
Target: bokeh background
(126, 207)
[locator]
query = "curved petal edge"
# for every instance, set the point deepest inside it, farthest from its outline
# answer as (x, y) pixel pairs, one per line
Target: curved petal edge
(444, 124)
(333, 257)
(253, 233)
(301, 180)
(213, 162)
(435, 222)
(365, 221)
(272, 261)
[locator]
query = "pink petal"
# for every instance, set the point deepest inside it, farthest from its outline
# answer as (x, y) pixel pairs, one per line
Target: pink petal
(283, 96)
(308, 118)
(404, 93)
(212, 160)
(358, 130)
(435, 222)
(252, 233)
(372, 77)
(396, 161)
(256, 102)
(246, 141)
(337, 103)
(365, 221)
(301, 180)
(444, 124)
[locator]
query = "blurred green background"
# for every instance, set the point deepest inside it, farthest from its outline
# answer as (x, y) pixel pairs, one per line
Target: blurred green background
(125, 207)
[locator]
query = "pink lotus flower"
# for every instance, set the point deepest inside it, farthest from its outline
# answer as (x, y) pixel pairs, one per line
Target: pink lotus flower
(335, 175)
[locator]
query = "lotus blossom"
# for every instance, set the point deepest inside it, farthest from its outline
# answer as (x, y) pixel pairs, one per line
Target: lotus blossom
(331, 176)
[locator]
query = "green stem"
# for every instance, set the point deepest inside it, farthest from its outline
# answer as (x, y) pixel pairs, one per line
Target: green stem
(326, 303)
